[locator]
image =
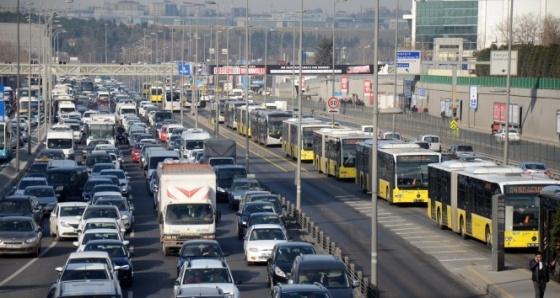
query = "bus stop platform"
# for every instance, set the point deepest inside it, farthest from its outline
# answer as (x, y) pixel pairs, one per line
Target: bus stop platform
(508, 283)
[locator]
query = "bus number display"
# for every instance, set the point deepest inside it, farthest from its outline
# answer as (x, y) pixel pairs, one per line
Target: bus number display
(418, 158)
(351, 141)
(523, 189)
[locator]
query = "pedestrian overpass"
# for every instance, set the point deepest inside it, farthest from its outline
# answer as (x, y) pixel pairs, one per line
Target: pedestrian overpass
(90, 69)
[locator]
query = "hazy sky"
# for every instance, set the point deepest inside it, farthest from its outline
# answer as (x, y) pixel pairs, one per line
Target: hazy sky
(255, 6)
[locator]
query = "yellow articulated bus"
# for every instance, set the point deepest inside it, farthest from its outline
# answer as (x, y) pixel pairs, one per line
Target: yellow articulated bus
(462, 202)
(320, 160)
(243, 123)
(266, 126)
(402, 170)
(146, 89)
(290, 131)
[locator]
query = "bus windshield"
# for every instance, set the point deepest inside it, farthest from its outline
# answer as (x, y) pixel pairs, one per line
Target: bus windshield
(101, 131)
(275, 128)
(195, 144)
(60, 143)
(412, 170)
(157, 91)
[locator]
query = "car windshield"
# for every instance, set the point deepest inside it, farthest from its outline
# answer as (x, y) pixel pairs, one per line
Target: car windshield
(69, 275)
(196, 214)
(60, 143)
(253, 208)
(331, 279)
(119, 174)
(100, 236)
(267, 234)
(247, 185)
(98, 168)
(206, 275)
(16, 226)
(120, 204)
(114, 250)
(38, 168)
(51, 155)
(23, 184)
(11, 206)
(39, 192)
(535, 166)
(72, 211)
(58, 177)
(100, 213)
(288, 254)
(201, 250)
(270, 199)
(464, 148)
(264, 219)
(91, 184)
(92, 160)
(100, 225)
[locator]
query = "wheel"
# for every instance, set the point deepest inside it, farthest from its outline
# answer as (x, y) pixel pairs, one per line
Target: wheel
(37, 252)
(389, 196)
(462, 228)
(488, 236)
(440, 220)
(165, 252)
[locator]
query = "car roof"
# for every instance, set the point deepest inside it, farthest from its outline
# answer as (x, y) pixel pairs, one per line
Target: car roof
(266, 226)
(289, 288)
(15, 217)
(321, 261)
(33, 179)
(88, 254)
(206, 263)
(73, 204)
(105, 230)
(105, 241)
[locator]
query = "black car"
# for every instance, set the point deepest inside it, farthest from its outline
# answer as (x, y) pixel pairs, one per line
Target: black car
(68, 182)
(37, 169)
(19, 205)
(281, 259)
(199, 249)
(119, 254)
(301, 290)
(248, 209)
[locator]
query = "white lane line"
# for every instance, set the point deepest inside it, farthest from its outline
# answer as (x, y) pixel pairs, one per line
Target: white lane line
(464, 259)
(406, 229)
(448, 251)
(438, 246)
(423, 236)
(9, 278)
(410, 233)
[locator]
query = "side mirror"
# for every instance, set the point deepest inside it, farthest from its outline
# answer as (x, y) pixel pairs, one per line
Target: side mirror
(58, 269)
(355, 283)
(238, 282)
(125, 217)
(76, 243)
(238, 213)
(131, 207)
(39, 229)
(126, 242)
(177, 282)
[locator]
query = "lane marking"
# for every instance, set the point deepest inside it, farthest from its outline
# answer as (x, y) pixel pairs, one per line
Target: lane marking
(489, 282)
(463, 259)
(449, 251)
(31, 262)
(406, 229)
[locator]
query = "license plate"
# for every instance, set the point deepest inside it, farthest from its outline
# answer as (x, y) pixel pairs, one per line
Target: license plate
(265, 256)
(12, 246)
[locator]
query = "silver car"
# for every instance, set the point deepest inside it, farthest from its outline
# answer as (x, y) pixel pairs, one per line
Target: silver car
(125, 209)
(45, 194)
(20, 235)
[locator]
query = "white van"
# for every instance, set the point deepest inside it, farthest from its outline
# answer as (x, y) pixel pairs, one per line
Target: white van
(434, 140)
(61, 140)
(191, 139)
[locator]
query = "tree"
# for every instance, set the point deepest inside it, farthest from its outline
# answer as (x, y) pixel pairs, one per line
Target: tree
(550, 30)
(323, 55)
(525, 30)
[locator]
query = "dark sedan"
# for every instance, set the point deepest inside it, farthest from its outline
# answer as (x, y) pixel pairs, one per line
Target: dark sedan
(282, 259)
(21, 205)
(119, 254)
(199, 249)
(248, 209)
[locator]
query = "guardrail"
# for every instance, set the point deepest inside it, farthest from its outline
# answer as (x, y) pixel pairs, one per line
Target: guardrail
(324, 244)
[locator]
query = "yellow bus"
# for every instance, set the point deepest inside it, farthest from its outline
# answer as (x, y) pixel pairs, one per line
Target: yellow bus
(146, 89)
(465, 200)
(243, 122)
(402, 171)
(156, 93)
(320, 160)
(290, 131)
(340, 150)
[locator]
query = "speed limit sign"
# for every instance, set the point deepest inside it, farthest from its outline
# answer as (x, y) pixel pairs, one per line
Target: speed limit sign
(333, 105)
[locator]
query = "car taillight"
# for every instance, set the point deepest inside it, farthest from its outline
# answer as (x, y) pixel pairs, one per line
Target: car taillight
(528, 172)
(547, 173)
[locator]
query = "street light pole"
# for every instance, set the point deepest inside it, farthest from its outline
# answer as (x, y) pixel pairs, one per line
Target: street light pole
(181, 86)
(333, 52)
(246, 93)
(298, 174)
(265, 61)
(106, 43)
(18, 91)
(395, 98)
(508, 83)
(29, 91)
(216, 84)
(373, 167)
(364, 53)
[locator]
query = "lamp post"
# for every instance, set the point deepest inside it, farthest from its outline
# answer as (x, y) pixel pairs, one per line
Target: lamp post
(333, 52)
(395, 98)
(181, 86)
(18, 93)
(29, 90)
(298, 174)
(106, 43)
(364, 53)
(246, 93)
(265, 61)
(508, 83)
(216, 84)
(227, 56)
(373, 167)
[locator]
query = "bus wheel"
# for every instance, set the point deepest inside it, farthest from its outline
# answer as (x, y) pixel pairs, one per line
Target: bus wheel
(463, 228)
(389, 196)
(440, 220)
(488, 236)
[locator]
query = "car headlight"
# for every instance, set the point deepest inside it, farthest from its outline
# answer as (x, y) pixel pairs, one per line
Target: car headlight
(220, 189)
(253, 249)
(279, 272)
(237, 197)
(65, 224)
(32, 239)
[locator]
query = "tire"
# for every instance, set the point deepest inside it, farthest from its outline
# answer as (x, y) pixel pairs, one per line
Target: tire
(165, 251)
(463, 229)
(440, 220)
(488, 236)
(389, 196)
(37, 252)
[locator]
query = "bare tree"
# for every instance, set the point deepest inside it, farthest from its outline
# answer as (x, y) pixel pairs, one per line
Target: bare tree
(526, 29)
(550, 31)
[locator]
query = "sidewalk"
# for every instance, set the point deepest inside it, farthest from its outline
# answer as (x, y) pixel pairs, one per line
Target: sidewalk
(511, 282)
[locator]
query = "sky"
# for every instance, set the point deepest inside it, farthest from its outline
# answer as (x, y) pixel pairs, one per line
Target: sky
(255, 6)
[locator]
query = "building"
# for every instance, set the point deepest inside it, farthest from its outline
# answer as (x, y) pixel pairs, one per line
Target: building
(475, 21)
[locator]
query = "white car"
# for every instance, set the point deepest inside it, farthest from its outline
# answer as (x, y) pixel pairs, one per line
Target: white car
(63, 222)
(259, 241)
(514, 136)
(101, 223)
(92, 257)
(123, 179)
(98, 234)
(101, 211)
(209, 272)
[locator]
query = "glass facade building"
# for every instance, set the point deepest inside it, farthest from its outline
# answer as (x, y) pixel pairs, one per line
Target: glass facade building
(447, 19)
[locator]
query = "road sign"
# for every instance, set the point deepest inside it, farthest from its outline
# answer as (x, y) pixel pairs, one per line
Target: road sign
(409, 62)
(184, 69)
(337, 94)
(499, 64)
(333, 105)
(453, 125)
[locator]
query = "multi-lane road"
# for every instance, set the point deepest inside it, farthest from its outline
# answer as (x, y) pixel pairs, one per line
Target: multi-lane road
(339, 208)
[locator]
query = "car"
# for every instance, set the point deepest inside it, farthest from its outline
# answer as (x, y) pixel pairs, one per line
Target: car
(98, 234)
(152, 184)
(328, 270)
(101, 211)
(106, 189)
(45, 194)
(63, 222)
(126, 210)
(279, 264)
(315, 290)
(238, 188)
(259, 218)
(89, 148)
(225, 174)
(514, 136)
(248, 194)
(100, 223)
(121, 175)
(119, 254)
(422, 144)
(101, 257)
(97, 157)
(28, 181)
(202, 291)
(84, 271)
(434, 141)
(274, 199)
(22, 206)
(199, 249)
(457, 150)
(210, 272)
(85, 288)
(535, 168)
(20, 235)
(135, 152)
(47, 154)
(259, 241)
(91, 183)
(248, 209)
(37, 169)
(98, 167)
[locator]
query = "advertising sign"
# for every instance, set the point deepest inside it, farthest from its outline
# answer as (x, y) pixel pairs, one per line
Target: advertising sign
(303, 85)
(473, 98)
(237, 70)
(344, 84)
(319, 69)
(500, 113)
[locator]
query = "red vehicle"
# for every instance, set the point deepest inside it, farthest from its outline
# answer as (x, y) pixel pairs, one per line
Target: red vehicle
(135, 153)
(163, 133)
(102, 102)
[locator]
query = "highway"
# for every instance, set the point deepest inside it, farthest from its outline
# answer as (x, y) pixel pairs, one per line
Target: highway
(339, 208)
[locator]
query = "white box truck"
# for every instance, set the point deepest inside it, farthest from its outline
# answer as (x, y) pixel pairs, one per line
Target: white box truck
(186, 197)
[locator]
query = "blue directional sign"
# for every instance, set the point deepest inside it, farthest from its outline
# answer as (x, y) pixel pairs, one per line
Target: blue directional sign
(2, 105)
(184, 68)
(337, 94)
(409, 62)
